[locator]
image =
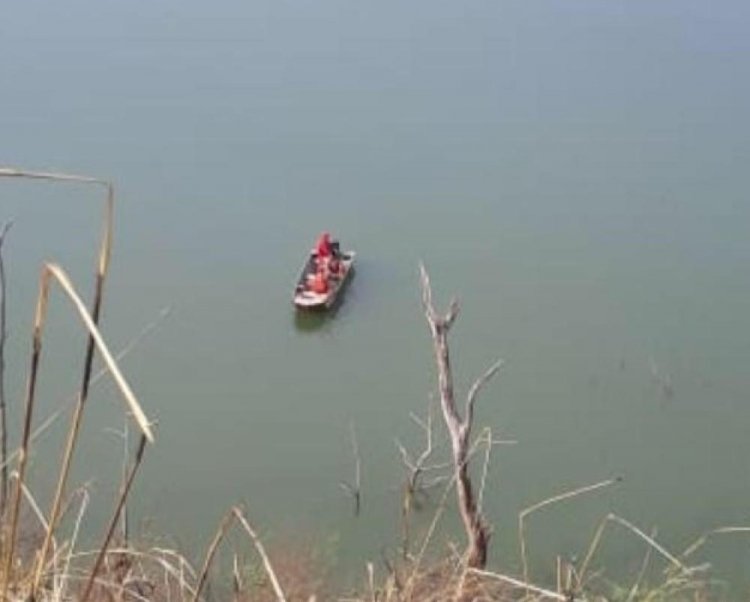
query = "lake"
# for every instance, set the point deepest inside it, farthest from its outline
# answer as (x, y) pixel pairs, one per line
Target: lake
(575, 172)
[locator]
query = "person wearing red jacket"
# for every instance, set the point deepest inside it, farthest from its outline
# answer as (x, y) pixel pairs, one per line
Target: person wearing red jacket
(324, 248)
(319, 283)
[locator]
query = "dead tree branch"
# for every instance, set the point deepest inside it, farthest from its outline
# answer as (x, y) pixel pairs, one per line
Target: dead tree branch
(477, 531)
(416, 469)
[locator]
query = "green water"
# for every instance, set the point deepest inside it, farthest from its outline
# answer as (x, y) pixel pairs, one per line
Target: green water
(575, 171)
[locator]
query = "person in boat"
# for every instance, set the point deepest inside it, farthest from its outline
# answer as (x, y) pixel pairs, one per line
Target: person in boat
(324, 246)
(334, 267)
(318, 282)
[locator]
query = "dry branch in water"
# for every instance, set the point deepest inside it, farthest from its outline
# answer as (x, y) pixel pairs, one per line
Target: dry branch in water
(416, 468)
(354, 490)
(477, 531)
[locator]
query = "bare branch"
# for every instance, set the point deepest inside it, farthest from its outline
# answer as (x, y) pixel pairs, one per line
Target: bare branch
(405, 457)
(476, 530)
(451, 315)
(418, 420)
(474, 391)
(427, 294)
(413, 484)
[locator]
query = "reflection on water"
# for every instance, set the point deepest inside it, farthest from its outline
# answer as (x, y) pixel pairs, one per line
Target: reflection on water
(313, 321)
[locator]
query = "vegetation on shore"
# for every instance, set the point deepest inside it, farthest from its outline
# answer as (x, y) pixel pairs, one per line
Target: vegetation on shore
(41, 560)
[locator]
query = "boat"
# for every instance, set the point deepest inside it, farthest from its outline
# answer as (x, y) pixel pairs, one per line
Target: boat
(304, 298)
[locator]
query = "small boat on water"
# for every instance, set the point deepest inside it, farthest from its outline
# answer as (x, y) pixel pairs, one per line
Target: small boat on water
(305, 297)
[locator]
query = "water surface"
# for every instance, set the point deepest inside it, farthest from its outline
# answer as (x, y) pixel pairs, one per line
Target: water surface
(575, 172)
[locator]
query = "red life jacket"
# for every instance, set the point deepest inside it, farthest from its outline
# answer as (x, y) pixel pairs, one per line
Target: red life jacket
(323, 246)
(319, 284)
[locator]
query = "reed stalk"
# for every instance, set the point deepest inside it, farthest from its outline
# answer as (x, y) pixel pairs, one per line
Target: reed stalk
(103, 262)
(114, 521)
(3, 413)
(221, 532)
(53, 273)
(280, 597)
(124, 352)
(36, 350)
(566, 495)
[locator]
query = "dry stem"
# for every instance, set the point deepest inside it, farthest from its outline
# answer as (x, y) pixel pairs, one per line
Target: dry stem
(221, 532)
(262, 553)
(115, 518)
(3, 414)
(553, 500)
(354, 490)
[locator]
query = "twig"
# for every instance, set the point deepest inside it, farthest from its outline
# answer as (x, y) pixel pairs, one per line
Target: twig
(529, 587)
(221, 532)
(371, 581)
(102, 265)
(3, 414)
(53, 271)
(236, 577)
(476, 388)
(428, 536)
(75, 423)
(354, 490)
(11, 535)
(415, 469)
(115, 517)
(124, 435)
(485, 466)
(650, 541)
(592, 547)
(60, 595)
(124, 351)
(262, 553)
(642, 572)
(547, 502)
(691, 549)
(32, 502)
